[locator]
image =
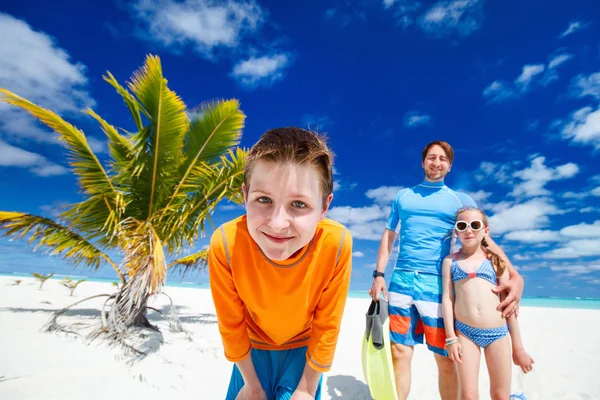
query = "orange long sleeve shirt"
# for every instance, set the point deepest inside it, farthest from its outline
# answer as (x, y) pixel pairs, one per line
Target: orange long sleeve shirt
(280, 305)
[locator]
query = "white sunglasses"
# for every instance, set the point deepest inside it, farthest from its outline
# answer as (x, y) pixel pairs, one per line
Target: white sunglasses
(475, 225)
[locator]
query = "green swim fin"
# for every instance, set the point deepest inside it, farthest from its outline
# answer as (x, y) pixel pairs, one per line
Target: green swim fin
(377, 363)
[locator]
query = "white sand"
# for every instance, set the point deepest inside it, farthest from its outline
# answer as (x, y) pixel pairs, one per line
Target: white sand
(38, 365)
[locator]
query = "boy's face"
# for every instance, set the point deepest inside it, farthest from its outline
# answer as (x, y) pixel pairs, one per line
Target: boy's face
(283, 207)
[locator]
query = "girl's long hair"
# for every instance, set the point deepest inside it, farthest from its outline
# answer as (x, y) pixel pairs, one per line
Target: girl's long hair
(495, 259)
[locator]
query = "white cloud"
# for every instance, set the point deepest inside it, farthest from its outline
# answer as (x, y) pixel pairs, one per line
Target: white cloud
(383, 194)
(584, 127)
(479, 196)
(589, 209)
(204, 25)
(461, 16)
(11, 156)
(559, 59)
(596, 191)
(97, 145)
(577, 269)
(582, 230)
(574, 26)
(358, 254)
(358, 215)
(388, 3)
(498, 91)
(532, 214)
(363, 222)
(533, 236)
(259, 71)
(538, 175)
(529, 72)
(32, 65)
(414, 119)
(55, 209)
(500, 173)
(575, 249)
(582, 85)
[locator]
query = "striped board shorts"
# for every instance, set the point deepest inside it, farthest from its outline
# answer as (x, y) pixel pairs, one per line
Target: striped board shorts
(415, 300)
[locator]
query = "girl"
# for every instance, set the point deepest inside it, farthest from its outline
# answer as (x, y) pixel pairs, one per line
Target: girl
(469, 308)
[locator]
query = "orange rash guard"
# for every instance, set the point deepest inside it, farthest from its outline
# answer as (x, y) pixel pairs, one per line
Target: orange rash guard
(280, 305)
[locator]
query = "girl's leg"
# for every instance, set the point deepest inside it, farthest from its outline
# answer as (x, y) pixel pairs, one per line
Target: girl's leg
(497, 358)
(468, 370)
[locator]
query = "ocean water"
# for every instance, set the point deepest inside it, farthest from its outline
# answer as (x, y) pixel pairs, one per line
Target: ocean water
(546, 302)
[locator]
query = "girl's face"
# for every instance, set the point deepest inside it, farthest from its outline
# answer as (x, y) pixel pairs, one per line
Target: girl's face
(283, 207)
(470, 228)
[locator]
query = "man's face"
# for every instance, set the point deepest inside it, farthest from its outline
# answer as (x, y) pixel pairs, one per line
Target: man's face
(436, 164)
(283, 207)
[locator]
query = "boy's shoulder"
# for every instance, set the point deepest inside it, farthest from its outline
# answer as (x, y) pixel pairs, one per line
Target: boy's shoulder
(230, 229)
(333, 231)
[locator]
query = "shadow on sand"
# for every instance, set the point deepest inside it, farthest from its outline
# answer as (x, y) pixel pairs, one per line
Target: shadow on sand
(347, 387)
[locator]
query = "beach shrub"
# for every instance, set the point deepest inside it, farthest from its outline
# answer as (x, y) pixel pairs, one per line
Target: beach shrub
(42, 278)
(71, 284)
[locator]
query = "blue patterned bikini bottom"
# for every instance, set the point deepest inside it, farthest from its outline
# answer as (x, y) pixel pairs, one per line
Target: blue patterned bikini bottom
(480, 336)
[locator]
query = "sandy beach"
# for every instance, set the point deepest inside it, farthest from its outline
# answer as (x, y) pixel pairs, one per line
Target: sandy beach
(39, 365)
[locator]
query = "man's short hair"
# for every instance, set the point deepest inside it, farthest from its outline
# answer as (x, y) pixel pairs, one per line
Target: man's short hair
(296, 146)
(444, 145)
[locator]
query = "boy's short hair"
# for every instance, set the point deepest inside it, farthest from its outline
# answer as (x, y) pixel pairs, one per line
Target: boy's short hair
(444, 145)
(296, 146)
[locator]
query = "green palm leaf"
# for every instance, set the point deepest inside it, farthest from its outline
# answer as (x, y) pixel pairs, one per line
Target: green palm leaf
(131, 102)
(60, 239)
(215, 128)
(92, 178)
(194, 262)
(120, 146)
(212, 183)
(158, 150)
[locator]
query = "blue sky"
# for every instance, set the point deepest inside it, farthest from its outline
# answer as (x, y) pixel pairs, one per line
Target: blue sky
(514, 86)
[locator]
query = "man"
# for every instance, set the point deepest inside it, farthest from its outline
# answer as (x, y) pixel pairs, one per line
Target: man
(426, 216)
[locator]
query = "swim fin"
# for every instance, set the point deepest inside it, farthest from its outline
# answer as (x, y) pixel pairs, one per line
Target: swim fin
(377, 363)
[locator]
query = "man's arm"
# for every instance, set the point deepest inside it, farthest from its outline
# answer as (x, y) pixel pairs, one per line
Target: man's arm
(385, 249)
(514, 285)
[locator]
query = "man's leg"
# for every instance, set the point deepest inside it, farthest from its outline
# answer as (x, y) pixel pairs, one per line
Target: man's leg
(428, 301)
(447, 378)
(402, 356)
(405, 328)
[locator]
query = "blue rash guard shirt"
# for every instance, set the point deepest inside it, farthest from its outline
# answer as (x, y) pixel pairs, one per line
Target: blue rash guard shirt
(426, 216)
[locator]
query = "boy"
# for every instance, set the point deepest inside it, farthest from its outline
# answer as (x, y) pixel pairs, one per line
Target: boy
(280, 274)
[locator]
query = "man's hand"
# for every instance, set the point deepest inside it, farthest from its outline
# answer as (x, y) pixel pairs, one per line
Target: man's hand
(514, 287)
(251, 393)
(301, 395)
(377, 287)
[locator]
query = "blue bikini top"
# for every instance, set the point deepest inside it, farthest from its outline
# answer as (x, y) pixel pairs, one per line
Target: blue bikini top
(485, 271)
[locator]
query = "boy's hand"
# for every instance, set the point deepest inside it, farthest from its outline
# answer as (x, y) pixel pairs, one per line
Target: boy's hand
(251, 393)
(455, 352)
(377, 287)
(523, 360)
(302, 395)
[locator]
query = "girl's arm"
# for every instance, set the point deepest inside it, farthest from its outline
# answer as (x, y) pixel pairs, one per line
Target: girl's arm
(520, 356)
(448, 309)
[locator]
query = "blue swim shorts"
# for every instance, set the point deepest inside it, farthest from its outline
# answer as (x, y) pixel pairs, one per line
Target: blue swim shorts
(279, 372)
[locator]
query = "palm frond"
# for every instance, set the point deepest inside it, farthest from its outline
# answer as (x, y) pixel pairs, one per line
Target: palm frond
(92, 178)
(60, 239)
(214, 129)
(134, 106)
(194, 262)
(120, 146)
(212, 184)
(158, 150)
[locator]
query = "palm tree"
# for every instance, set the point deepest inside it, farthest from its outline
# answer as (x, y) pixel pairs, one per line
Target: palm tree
(151, 199)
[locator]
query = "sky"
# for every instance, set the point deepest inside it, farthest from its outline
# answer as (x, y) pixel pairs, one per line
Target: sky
(513, 86)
